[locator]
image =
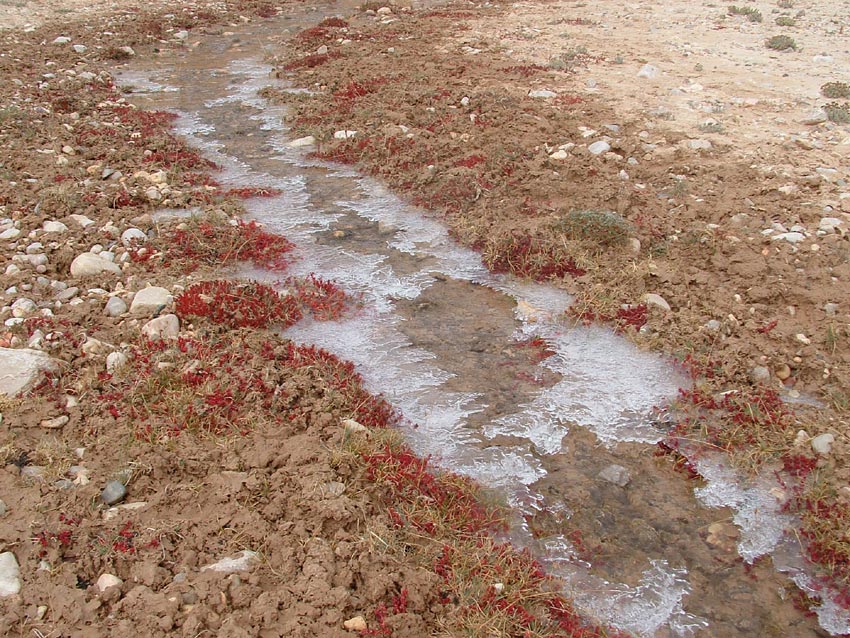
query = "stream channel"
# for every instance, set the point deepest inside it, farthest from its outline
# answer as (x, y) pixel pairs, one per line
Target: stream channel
(569, 441)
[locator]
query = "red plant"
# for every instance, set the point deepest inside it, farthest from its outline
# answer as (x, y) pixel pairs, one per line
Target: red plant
(323, 299)
(237, 304)
(334, 22)
(221, 244)
(471, 161)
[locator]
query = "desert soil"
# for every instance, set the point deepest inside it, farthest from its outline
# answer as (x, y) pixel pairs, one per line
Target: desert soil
(715, 233)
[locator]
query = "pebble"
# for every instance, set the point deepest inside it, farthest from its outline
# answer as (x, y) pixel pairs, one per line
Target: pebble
(54, 227)
(161, 328)
(559, 155)
(322, 50)
(153, 194)
(818, 116)
(358, 623)
(105, 581)
(150, 300)
(23, 307)
(353, 427)
(88, 264)
(55, 423)
(3, 508)
(760, 374)
(20, 368)
(542, 93)
(115, 361)
(10, 233)
(652, 299)
(783, 372)
(793, 238)
(67, 294)
(82, 220)
(822, 443)
(182, 35)
(10, 575)
(228, 565)
(62, 40)
(344, 135)
(80, 48)
(113, 493)
(634, 245)
(597, 148)
(616, 474)
(133, 235)
(713, 325)
(303, 141)
(648, 71)
(115, 307)
(829, 224)
(699, 145)
(831, 309)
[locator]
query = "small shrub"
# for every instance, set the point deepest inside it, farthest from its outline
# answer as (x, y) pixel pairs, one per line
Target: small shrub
(836, 90)
(237, 304)
(605, 228)
(570, 59)
(786, 21)
(785, 4)
(781, 43)
(753, 14)
(839, 113)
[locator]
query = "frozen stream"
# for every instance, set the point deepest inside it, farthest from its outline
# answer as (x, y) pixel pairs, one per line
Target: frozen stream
(440, 338)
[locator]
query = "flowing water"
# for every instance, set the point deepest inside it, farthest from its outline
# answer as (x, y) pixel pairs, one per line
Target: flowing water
(442, 339)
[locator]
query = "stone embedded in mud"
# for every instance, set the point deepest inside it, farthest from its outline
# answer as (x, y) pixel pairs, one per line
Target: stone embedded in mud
(55, 423)
(9, 233)
(113, 493)
(20, 368)
(115, 361)
(358, 623)
(559, 155)
(164, 327)
(150, 300)
(88, 264)
(760, 374)
(344, 135)
(227, 565)
(543, 93)
(822, 443)
(648, 71)
(818, 116)
(10, 575)
(303, 141)
(652, 299)
(353, 427)
(54, 227)
(115, 307)
(82, 220)
(615, 474)
(597, 148)
(132, 235)
(105, 581)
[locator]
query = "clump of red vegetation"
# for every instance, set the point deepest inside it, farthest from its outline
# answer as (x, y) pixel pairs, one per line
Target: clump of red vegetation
(218, 244)
(321, 298)
(308, 61)
(522, 255)
(237, 304)
(333, 23)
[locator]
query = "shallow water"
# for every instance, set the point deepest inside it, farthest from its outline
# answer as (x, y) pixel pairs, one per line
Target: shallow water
(440, 338)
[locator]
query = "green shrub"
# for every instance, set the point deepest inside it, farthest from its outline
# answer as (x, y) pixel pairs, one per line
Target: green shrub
(839, 113)
(781, 43)
(605, 228)
(753, 14)
(836, 90)
(786, 21)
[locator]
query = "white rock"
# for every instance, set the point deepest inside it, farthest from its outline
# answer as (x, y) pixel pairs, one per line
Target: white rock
(818, 116)
(55, 423)
(634, 245)
(115, 307)
(699, 145)
(242, 563)
(23, 307)
(597, 148)
(150, 300)
(829, 224)
(822, 443)
(648, 71)
(559, 155)
(89, 264)
(54, 227)
(542, 93)
(132, 235)
(651, 299)
(792, 238)
(82, 220)
(760, 374)
(303, 141)
(80, 48)
(21, 368)
(182, 35)
(115, 361)
(153, 194)
(164, 327)
(358, 623)
(344, 135)
(94, 347)
(616, 474)
(802, 338)
(105, 581)
(62, 40)
(353, 427)
(10, 233)
(322, 50)
(10, 575)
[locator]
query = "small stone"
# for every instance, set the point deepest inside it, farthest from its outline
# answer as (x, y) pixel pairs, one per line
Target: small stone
(822, 443)
(542, 93)
(760, 374)
(831, 309)
(358, 623)
(3, 508)
(802, 338)
(792, 238)
(133, 235)
(182, 35)
(88, 264)
(10, 233)
(597, 148)
(652, 299)
(62, 40)
(80, 48)
(115, 307)
(161, 328)
(113, 512)
(115, 361)
(818, 116)
(150, 300)
(303, 141)
(616, 474)
(559, 155)
(782, 371)
(344, 135)
(128, 50)
(648, 71)
(830, 224)
(227, 565)
(10, 575)
(113, 493)
(322, 50)
(699, 145)
(54, 227)
(55, 423)
(713, 325)
(82, 220)
(153, 194)
(105, 581)
(634, 245)
(353, 427)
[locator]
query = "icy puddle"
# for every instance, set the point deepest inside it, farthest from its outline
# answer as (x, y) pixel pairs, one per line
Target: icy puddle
(567, 439)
